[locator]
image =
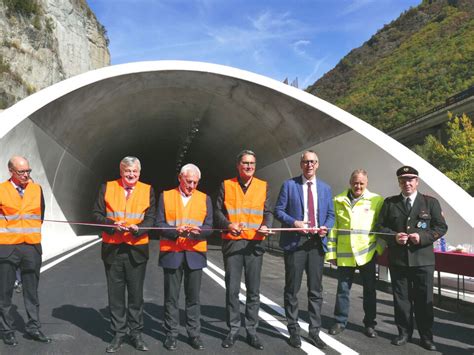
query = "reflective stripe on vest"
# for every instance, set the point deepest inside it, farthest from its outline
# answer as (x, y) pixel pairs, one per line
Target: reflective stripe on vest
(247, 208)
(355, 244)
(131, 210)
(20, 218)
(176, 214)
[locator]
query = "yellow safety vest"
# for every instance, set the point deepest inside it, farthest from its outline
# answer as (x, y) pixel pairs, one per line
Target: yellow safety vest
(355, 244)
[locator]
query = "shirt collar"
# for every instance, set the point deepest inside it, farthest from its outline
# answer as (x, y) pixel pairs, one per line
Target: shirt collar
(313, 180)
(412, 196)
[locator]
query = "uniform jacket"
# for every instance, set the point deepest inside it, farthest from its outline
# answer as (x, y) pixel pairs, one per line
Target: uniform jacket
(289, 208)
(425, 218)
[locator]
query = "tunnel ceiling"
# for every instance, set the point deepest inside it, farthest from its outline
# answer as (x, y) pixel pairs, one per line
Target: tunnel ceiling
(154, 115)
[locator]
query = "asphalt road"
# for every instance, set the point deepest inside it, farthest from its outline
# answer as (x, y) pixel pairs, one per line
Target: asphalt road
(74, 314)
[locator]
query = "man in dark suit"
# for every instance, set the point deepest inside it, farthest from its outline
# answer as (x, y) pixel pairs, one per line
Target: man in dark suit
(21, 217)
(416, 221)
(186, 213)
(128, 206)
(243, 209)
(306, 203)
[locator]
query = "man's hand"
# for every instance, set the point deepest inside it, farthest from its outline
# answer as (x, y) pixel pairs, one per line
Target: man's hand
(414, 238)
(121, 226)
(194, 231)
(401, 238)
(332, 262)
(183, 231)
(301, 225)
(264, 230)
(235, 229)
(133, 228)
(322, 231)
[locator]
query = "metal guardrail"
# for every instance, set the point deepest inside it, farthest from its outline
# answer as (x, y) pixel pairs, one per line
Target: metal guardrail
(448, 102)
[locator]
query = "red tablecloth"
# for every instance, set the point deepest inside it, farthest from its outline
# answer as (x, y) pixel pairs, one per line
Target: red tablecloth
(452, 262)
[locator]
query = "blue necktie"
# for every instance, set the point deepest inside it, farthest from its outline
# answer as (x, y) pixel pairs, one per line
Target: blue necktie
(20, 190)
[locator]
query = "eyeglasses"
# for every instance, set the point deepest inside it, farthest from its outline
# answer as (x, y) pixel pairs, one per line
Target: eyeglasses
(248, 163)
(23, 172)
(309, 162)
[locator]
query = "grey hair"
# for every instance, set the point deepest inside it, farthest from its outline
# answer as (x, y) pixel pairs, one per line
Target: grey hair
(358, 172)
(190, 168)
(308, 151)
(245, 152)
(13, 158)
(129, 161)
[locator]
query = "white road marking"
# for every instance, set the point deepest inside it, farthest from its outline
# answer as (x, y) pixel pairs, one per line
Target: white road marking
(333, 343)
(271, 320)
(67, 256)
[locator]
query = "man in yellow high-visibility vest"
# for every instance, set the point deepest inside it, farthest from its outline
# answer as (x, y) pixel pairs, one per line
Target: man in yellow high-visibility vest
(352, 246)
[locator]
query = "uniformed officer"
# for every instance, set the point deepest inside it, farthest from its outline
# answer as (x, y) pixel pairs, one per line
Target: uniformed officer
(416, 221)
(351, 246)
(187, 213)
(243, 208)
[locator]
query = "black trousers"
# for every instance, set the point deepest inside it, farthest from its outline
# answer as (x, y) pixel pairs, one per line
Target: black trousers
(234, 263)
(310, 258)
(413, 293)
(124, 276)
(192, 288)
(28, 259)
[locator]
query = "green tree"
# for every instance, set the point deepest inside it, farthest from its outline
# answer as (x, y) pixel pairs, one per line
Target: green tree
(456, 157)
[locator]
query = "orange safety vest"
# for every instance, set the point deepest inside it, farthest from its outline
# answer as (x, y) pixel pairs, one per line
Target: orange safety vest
(176, 214)
(131, 210)
(245, 208)
(20, 218)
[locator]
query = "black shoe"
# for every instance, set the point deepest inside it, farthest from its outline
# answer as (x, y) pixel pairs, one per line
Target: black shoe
(170, 343)
(295, 340)
(115, 344)
(317, 342)
(370, 332)
(337, 328)
(254, 341)
(196, 343)
(428, 344)
(401, 340)
(37, 335)
(138, 342)
(10, 339)
(229, 340)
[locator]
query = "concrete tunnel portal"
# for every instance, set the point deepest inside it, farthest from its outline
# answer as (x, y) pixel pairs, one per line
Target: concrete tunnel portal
(170, 113)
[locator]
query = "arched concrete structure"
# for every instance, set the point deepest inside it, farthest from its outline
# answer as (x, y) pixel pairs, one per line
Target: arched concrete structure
(75, 133)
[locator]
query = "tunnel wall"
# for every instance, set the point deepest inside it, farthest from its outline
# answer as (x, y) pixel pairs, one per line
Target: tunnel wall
(71, 133)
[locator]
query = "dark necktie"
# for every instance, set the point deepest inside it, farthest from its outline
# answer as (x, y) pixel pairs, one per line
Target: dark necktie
(408, 204)
(312, 221)
(129, 192)
(20, 190)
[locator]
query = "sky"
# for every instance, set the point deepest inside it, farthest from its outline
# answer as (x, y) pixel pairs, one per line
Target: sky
(291, 39)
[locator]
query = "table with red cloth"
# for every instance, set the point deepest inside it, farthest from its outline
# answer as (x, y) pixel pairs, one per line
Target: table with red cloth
(453, 262)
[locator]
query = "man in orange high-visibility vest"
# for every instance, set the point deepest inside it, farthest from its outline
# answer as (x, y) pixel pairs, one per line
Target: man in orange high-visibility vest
(21, 217)
(187, 213)
(243, 208)
(128, 206)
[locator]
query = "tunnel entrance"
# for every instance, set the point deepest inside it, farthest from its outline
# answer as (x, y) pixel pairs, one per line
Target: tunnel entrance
(169, 113)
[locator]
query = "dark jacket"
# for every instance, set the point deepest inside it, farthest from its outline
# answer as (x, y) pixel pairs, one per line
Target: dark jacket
(425, 218)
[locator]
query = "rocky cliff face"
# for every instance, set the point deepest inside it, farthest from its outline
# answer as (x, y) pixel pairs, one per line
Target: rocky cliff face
(45, 41)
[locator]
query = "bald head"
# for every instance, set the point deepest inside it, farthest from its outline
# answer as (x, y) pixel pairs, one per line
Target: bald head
(19, 169)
